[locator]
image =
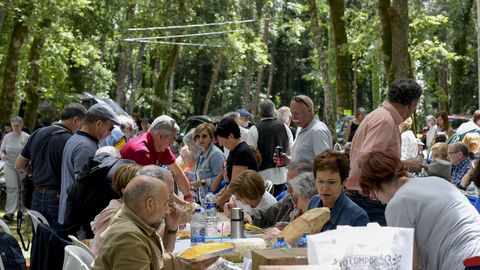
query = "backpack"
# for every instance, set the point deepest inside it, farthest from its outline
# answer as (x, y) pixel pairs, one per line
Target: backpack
(11, 253)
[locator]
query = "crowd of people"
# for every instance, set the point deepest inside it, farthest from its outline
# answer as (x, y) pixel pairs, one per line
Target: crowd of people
(131, 195)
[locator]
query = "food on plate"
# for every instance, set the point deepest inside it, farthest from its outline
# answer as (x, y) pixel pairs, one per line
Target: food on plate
(206, 251)
(253, 228)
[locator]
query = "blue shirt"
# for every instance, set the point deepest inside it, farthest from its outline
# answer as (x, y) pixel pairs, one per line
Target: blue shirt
(458, 171)
(209, 164)
(345, 212)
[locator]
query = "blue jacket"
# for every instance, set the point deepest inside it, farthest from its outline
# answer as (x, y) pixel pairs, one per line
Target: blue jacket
(345, 212)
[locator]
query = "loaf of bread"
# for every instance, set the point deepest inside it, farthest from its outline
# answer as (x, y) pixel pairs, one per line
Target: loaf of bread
(310, 222)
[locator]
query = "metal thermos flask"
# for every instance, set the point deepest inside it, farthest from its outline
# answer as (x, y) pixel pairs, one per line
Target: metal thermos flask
(236, 223)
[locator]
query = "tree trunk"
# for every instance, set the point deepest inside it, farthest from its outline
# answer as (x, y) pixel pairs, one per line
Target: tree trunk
(461, 27)
(171, 87)
(9, 91)
(136, 78)
(3, 15)
(213, 82)
(342, 60)
(478, 54)
(399, 20)
(123, 63)
(160, 101)
(103, 42)
(265, 38)
(383, 10)
(247, 83)
(271, 72)
(317, 40)
(33, 75)
(441, 75)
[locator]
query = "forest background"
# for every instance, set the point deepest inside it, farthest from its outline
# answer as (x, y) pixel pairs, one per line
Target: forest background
(342, 53)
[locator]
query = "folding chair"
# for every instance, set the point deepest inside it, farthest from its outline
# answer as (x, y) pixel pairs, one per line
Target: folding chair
(5, 227)
(37, 218)
(79, 243)
(76, 258)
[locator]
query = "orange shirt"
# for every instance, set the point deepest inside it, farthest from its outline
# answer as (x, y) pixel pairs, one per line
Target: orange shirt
(378, 132)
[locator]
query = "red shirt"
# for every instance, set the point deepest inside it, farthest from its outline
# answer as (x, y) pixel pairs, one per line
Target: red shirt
(141, 149)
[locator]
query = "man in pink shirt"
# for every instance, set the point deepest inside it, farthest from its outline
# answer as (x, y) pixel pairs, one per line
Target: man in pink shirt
(152, 147)
(379, 131)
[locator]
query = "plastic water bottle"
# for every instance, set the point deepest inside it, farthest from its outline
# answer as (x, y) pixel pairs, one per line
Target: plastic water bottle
(280, 243)
(302, 242)
(197, 228)
(211, 215)
(210, 205)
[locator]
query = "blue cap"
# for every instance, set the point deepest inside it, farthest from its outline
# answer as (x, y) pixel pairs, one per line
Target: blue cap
(243, 112)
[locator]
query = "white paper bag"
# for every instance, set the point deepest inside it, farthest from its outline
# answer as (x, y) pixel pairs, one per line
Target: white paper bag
(362, 248)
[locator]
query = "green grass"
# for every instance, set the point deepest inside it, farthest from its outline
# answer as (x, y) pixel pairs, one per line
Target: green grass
(26, 229)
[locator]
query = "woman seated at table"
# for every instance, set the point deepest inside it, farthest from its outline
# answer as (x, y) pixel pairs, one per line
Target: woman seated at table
(303, 189)
(248, 192)
(447, 226)
(331, 169)
(210, 160)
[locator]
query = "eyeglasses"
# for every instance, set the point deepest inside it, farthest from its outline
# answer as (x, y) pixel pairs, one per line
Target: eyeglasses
(450, 153)
(300, 100)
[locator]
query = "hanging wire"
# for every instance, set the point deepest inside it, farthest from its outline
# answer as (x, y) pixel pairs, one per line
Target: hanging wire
(188, 25)
(179, 43)
(185, 35)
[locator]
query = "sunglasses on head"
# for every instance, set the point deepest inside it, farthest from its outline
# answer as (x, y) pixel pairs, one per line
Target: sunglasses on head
(300, 100)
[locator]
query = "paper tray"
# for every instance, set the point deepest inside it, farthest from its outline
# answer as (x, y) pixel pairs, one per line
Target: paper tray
(218, 249)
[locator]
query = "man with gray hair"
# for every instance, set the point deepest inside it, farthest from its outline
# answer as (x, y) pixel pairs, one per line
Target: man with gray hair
(461, 164)
(271, 137)
(285, 115)
(153, 147)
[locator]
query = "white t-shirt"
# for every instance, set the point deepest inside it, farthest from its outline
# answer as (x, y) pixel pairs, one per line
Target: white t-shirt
(409, 145)
(267, 201)
(447, 226)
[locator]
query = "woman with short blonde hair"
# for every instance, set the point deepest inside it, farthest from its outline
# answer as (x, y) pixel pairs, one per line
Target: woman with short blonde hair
(249, 192)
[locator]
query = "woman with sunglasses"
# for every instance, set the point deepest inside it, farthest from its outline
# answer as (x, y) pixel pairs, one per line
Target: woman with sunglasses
(209, 160)
(447, 226)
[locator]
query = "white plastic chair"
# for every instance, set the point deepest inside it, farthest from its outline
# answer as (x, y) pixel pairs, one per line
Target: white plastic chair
(79, 243)
(268, 186)
(7, 230)
(36, 218)
(76, 258)
(5, 227)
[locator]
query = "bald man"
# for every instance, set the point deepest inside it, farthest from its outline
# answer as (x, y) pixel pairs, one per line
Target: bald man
(312, 136)
(131, 241)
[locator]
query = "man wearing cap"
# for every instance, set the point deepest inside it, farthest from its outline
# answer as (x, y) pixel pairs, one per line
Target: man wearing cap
(244, 118)
(44, 150)
(312, 136)
(99, 123)
(153, 147)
